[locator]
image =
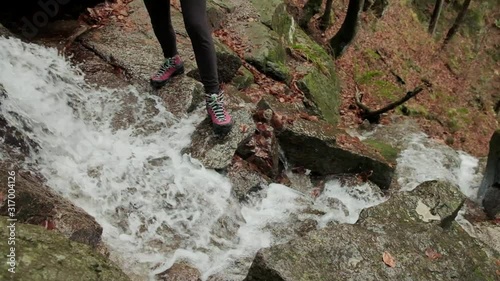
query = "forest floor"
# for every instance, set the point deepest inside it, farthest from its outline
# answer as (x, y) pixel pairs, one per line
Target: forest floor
(461, 81)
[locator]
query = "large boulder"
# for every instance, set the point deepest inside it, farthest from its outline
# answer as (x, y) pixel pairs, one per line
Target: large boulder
(37, 204)
(216, 152)
(317, 146)
(405, 228)
(489, 191)
(5, 32)
(47, 255)
(265, 51)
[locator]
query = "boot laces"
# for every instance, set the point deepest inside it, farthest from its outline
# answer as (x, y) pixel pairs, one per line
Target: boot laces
(216, 103)
(168, 64)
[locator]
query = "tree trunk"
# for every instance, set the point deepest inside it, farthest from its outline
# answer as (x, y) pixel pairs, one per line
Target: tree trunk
(435, 16)
(325, 19)
(311, 8)
(348, 30)
(458, 21)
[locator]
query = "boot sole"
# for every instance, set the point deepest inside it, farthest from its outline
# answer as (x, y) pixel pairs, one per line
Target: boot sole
(222, 129)
(159, 84)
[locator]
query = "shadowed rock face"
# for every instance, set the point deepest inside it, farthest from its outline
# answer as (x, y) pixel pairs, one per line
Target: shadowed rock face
(407, 226)
(48, 255)
(37, 204)
(489, 191)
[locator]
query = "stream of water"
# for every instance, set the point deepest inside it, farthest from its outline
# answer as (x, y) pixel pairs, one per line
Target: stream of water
(156, 205)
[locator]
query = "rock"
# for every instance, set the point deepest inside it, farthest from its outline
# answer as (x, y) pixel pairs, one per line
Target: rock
(314, 145)
(319, 83)
(266, 10)
(37, 204)
(323, 92)
(489, 190)
(217, 15)
(245, 179)
(266, 52)
(228, 63)
(5, 32)
(243, 79)
(48, 255)
(217, 153)
(491, 201)
(421, 250)
(179, 272)
(431, 201)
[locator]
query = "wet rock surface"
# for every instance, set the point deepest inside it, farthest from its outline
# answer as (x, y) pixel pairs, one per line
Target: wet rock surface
(313, 145)
(179, 272)
(48, 255)
(39, 205)
(489, 191)
(424, 251)
(214, 151)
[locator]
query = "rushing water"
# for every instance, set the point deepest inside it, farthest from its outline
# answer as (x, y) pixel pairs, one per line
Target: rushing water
(156, 205)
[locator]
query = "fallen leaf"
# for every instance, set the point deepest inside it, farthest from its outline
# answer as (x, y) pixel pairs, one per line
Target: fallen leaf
(388, 259)
(243, 128)
(315, 192)
(497, 262)
(49, 225)
(432, 254)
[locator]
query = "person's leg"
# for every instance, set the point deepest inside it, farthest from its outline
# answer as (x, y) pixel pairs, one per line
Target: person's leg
(159, 12)
(195, 19)
(194, 13)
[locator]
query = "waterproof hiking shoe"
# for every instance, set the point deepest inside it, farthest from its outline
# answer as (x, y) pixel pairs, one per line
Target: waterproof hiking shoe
(171, 67)
(221, 120)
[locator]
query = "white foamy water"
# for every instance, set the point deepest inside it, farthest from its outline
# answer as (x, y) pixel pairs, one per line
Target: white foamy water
(156, 205)
(425, 159)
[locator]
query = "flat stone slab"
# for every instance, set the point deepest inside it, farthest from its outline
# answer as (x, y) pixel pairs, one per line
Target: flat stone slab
(215, 152)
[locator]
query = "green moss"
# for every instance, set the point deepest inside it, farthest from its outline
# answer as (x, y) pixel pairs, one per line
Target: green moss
(367, 76)
(323, 90)
(388, 151)
(371, 54)
(386, 89)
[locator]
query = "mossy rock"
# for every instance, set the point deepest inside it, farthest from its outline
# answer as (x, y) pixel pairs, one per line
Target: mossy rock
(388, 151)
(313, 145)
(421, 250)
(267, 53)
(266, 9)
(47, 255)
(243, 79)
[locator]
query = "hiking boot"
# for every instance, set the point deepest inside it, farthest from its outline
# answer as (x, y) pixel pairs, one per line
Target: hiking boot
(221, 120)
(171, 67)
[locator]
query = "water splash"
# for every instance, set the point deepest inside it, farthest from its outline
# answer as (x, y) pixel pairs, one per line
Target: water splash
(156, 205)
(424, 159)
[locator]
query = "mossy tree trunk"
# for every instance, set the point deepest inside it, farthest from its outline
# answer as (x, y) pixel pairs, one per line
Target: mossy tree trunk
(458, 21)
(311, 8)
(347, 32)
(438, 7)
(325, 19)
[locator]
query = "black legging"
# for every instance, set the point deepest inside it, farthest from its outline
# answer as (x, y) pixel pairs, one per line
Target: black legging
(194, 13)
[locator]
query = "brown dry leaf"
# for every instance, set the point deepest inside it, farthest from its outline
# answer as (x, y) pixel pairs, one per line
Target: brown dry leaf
(498, 272)
(497, 262)
(388, 259)
(243, 128)
(259, 152)
(432, 254)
